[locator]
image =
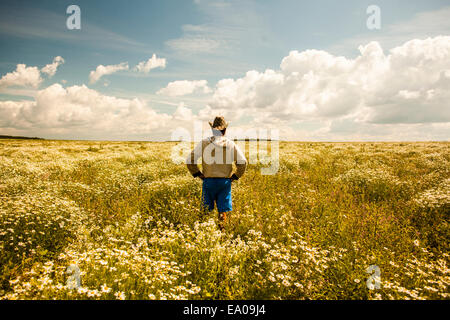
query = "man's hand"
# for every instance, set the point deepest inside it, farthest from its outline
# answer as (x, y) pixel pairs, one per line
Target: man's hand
(199, 174)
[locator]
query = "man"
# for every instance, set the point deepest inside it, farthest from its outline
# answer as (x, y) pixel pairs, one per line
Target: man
(218, 155)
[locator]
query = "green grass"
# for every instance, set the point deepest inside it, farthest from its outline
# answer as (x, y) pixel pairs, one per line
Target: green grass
(130, 219)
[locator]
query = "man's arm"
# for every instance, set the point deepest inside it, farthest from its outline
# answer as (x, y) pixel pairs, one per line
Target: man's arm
(241, 162)
(191, 161)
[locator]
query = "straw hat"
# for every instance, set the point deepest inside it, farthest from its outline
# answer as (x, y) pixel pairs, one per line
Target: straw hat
(219, 123)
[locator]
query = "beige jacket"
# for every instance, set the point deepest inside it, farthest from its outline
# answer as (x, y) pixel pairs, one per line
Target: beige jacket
(218, 155)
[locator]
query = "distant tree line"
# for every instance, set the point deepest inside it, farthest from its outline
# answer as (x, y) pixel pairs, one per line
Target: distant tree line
(19, 137)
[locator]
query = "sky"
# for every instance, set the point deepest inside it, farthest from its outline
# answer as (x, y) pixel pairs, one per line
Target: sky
(301, 70)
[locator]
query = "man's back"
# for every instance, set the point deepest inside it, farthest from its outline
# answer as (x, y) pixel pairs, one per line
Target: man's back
(218, 155)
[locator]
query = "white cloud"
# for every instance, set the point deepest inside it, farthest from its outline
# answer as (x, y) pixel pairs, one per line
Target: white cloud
(183, 113)
(152, 63)
(79, 109)
(102, 70)
(51, 68)
(23, 76)
(144, 67)
(410, 84)
(184, 87)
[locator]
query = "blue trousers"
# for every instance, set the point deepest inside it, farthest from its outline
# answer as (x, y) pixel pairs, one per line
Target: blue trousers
(217, 190)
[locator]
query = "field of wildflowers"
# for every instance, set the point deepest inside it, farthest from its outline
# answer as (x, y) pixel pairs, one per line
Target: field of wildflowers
(129, 219)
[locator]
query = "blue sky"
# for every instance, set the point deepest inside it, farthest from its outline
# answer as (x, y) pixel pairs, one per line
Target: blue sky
(211, 41)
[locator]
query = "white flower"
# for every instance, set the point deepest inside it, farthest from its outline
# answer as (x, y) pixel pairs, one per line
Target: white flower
(120, 295)
(105, 289)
